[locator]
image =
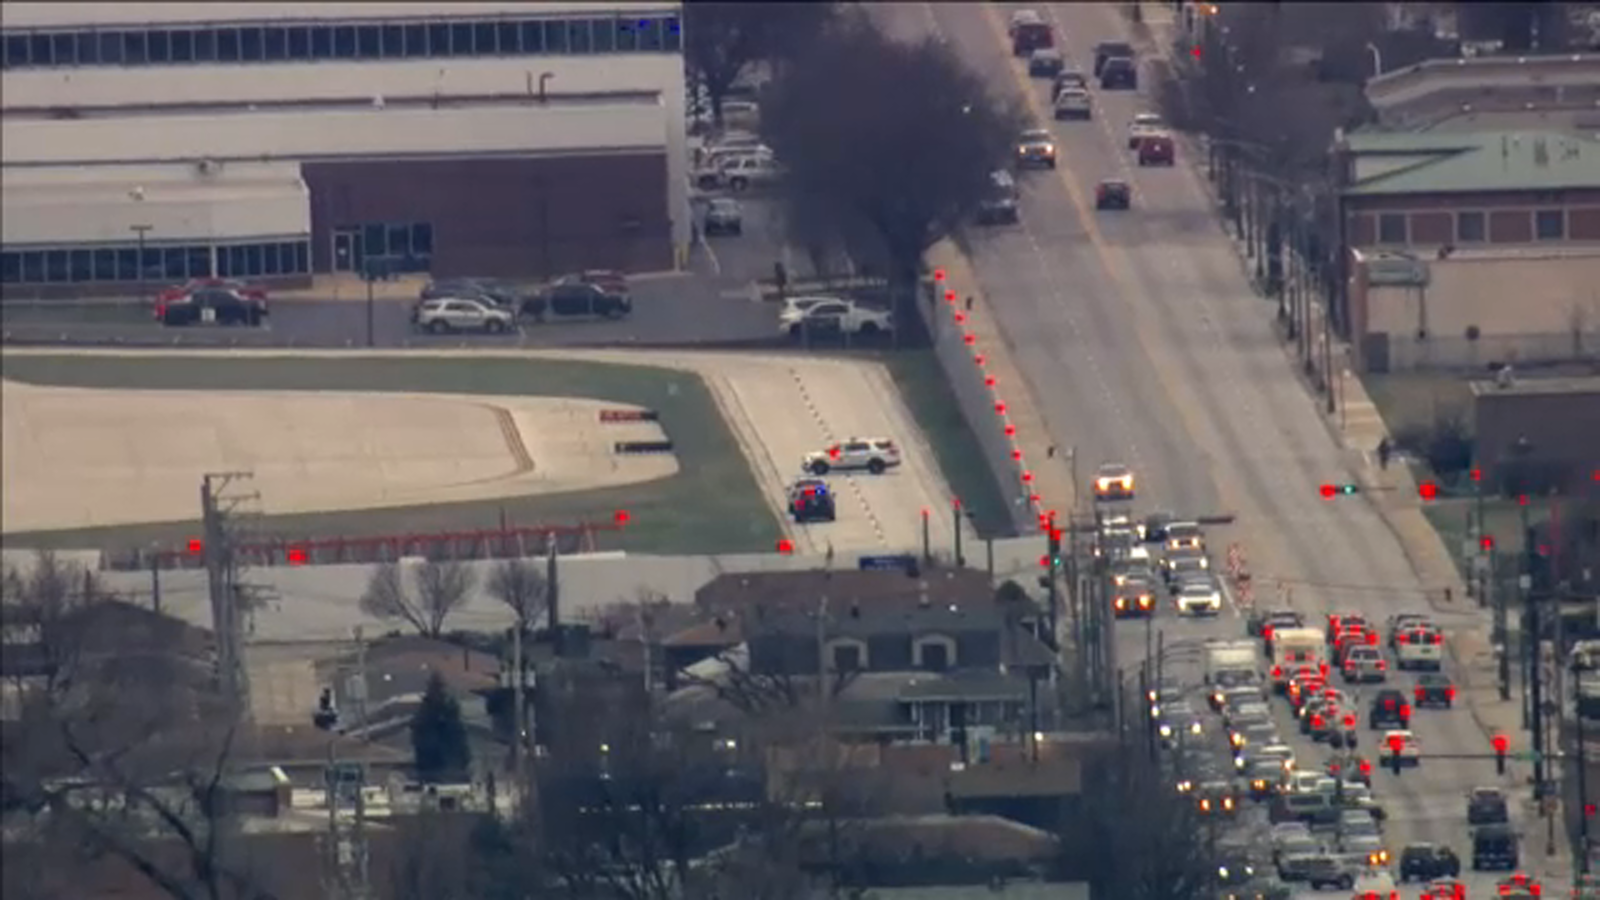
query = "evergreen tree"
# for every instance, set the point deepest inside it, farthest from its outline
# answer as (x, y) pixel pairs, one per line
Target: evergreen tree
(438, 739)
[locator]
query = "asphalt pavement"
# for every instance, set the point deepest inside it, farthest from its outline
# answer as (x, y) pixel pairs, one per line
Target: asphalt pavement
(1144, 344)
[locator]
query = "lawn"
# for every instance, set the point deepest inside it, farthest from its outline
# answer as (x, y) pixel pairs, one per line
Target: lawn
(927, 394)
(1454, 519)
(713, 504)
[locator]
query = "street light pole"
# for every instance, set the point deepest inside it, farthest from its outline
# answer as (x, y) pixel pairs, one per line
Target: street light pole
(140, 230)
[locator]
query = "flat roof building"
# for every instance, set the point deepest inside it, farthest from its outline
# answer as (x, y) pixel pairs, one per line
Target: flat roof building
(165, 141)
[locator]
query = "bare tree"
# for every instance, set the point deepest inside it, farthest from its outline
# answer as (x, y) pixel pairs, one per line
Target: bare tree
(519, 584)
(723, 39)
(120, 743)
(442, 586)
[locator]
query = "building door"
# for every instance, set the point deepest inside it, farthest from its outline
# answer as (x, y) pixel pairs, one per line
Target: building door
(347, 255)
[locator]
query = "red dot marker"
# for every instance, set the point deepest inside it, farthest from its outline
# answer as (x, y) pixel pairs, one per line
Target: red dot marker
(1016, 455)
(1027, 477)
(620, 517)
(989, 381)
(970, 339)
(1000, 408)
(1327, 490)
(297, 556)
(1011, 431)
(1195, 51)
(194, 545)
(949, 296)
(938, 274)
(981, 360)
(1477, 474)
(960, 317)
(1486, 542)
(785, 546)
(1428, 490)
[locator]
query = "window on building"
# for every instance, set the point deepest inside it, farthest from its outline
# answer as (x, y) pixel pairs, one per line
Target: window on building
(369, 42)
(847, 658)
(205, 45)
(228, 45)
(275, 44)
(182, 46)
(127, 264)
(578, 36)
(461, 39)
(39, 50)
(485, 39)
(603, 35)
(630, 30)
(1469, 227)
(88, 52)
(16, 51)
(297, 43)
(56, 269)
(135, 49)
(237, 264)
(422, 239)
(250, 49)
(649, 35)
(111, 48)
(105, 265)
(510, 39)
(174, 264)
(934, 655)
(1392, 228)
(10, 268)
(321, 42)
(1550, 225)
(344, 42)
(556, 38)
(373, 241)
(269, 259)
(159, 47)
(286, 258)
(302, 257)
(199, 263)
(399, 240)
(394, 42)
(252, 259)
(416, 40)
(81, 265)
(153, 264)
(32, 267)
(672, 34)
(65, 48)
(532, 36)
(438, 40)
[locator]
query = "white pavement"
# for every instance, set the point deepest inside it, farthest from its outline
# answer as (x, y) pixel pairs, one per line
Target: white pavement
(82, 457)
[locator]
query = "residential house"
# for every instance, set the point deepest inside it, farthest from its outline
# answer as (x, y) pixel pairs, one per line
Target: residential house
(1469, 250)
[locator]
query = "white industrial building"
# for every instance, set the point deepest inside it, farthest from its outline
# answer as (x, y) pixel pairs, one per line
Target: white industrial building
(175, 140)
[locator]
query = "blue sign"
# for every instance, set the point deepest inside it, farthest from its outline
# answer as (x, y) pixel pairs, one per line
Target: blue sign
(905, 562)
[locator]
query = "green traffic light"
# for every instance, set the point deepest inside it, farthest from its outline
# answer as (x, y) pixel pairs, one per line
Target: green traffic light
(1347, 488)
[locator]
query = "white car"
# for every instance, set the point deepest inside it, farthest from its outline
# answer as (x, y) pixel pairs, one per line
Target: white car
(1113, 481)
(742, 172)
(1197, 598)
(1143, 125)
(1410, 753)
(873, 454)
(1419, 647)
(834, 317)
(1073, 103)
(455, 314)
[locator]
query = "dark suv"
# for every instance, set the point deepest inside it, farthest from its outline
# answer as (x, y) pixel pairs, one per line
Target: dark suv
(1425, 862)
(1119, 72)
(1106, 50)
(810, 501)
(1390, 711)
(1494, 847)
(212, 306)
(1487, 806)
(577, 299)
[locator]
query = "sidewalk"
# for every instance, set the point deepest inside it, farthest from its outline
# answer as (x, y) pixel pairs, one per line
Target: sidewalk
(1052, 476)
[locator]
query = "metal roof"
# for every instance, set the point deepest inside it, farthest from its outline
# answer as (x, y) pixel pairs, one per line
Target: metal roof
(1434, 163)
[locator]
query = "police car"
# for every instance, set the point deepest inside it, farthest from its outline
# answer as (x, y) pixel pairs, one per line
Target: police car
(873, 454)
(811, 501)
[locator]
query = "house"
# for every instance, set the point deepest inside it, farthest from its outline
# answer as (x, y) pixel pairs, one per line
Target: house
(1439, 231)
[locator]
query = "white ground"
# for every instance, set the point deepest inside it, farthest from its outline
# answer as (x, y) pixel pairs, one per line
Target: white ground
(109, 457)
(76, 457)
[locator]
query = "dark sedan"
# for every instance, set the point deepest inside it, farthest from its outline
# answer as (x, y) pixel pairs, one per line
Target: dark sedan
(212, 306)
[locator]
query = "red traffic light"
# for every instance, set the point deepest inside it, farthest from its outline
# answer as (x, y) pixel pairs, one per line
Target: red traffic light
(1428, 490)
(1501, 743)
(1477, 474)
(1486, 542)
(1044, 562)
(1327, 490)
(1588, 809)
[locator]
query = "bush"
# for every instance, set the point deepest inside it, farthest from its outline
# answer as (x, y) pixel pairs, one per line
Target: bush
(1448, 449)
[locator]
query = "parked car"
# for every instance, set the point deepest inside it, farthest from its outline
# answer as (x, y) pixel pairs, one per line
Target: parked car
(572, 299)
(484, 289)
(461, 314)
(724, 215)
(834, 317)
(1143, 125)
(211, 303)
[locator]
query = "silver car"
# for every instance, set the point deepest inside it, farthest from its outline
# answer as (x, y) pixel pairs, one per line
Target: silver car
(459, 314)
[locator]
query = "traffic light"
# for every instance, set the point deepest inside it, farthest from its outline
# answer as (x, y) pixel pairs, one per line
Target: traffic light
(1501, 745)
(1396, 744)
(1329, 491)
(1055, 542)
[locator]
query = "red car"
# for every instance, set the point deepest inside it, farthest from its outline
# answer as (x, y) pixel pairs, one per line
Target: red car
(211, 301)
(1156, 150)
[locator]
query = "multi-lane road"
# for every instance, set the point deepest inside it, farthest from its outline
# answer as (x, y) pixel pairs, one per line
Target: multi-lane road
(1156, 353)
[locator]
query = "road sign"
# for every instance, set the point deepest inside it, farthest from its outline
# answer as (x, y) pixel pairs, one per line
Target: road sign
(905, 562)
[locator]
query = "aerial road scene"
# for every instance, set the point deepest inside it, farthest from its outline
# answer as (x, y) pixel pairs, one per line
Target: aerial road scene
(649, 450)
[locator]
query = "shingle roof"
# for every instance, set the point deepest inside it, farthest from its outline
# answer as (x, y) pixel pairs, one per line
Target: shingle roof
(1436, 163)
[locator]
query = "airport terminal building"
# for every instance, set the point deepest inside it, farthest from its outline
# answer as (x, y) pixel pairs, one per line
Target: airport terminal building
(270, 141)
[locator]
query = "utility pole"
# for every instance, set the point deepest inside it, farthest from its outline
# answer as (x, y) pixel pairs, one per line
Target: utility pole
(518, 675)
(348, 875)
(218, 514)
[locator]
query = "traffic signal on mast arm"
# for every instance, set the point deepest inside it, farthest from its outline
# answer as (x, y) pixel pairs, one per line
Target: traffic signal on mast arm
(1329, 491)
(1501, 745)
(1396, 744)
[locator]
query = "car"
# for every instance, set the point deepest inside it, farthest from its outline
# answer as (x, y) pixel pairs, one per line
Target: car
(1410, 753)
(1365, 665)
(1113, 481)
(1272, 620)
(1236, 690)
(1215, 798)
(1326, 870)
(1144, 124)
(457, 314)
(1119, 73)
(711, 170)
(484, 289)
(1419, 647)
(1068, 79)
(1113, 193)
(1389, 710)
(1029, 32)
(1337, 621)
(1153, 530)
(1106, 50)
(1135, 598)
(211, 302)
(1520, 884)
(1185, 535)
(1126, 570)
(1351, 768)
(999, 207)
(1426, 862)
(1036, 147)
(1199, 598)
(1045, 62)
(1156, 150)
(1263, 778)
(1260, 733)
(1494, 848)
(574, 298)
(1362, 849)
(834, 318)
(743, 172)
(1435, 689)
(809, 500)
(1487, 806)
(724, 215)
(1444, 889)
(1402, 622)
(875, 455)
(1073, 103)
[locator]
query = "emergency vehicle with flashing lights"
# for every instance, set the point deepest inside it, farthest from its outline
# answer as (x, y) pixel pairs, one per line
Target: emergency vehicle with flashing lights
(211, 301)
(875, 455)
(811, 501)
(1113, 481)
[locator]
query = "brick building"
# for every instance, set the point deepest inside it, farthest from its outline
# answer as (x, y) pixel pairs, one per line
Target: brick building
(165, 141)
(1464, 249)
